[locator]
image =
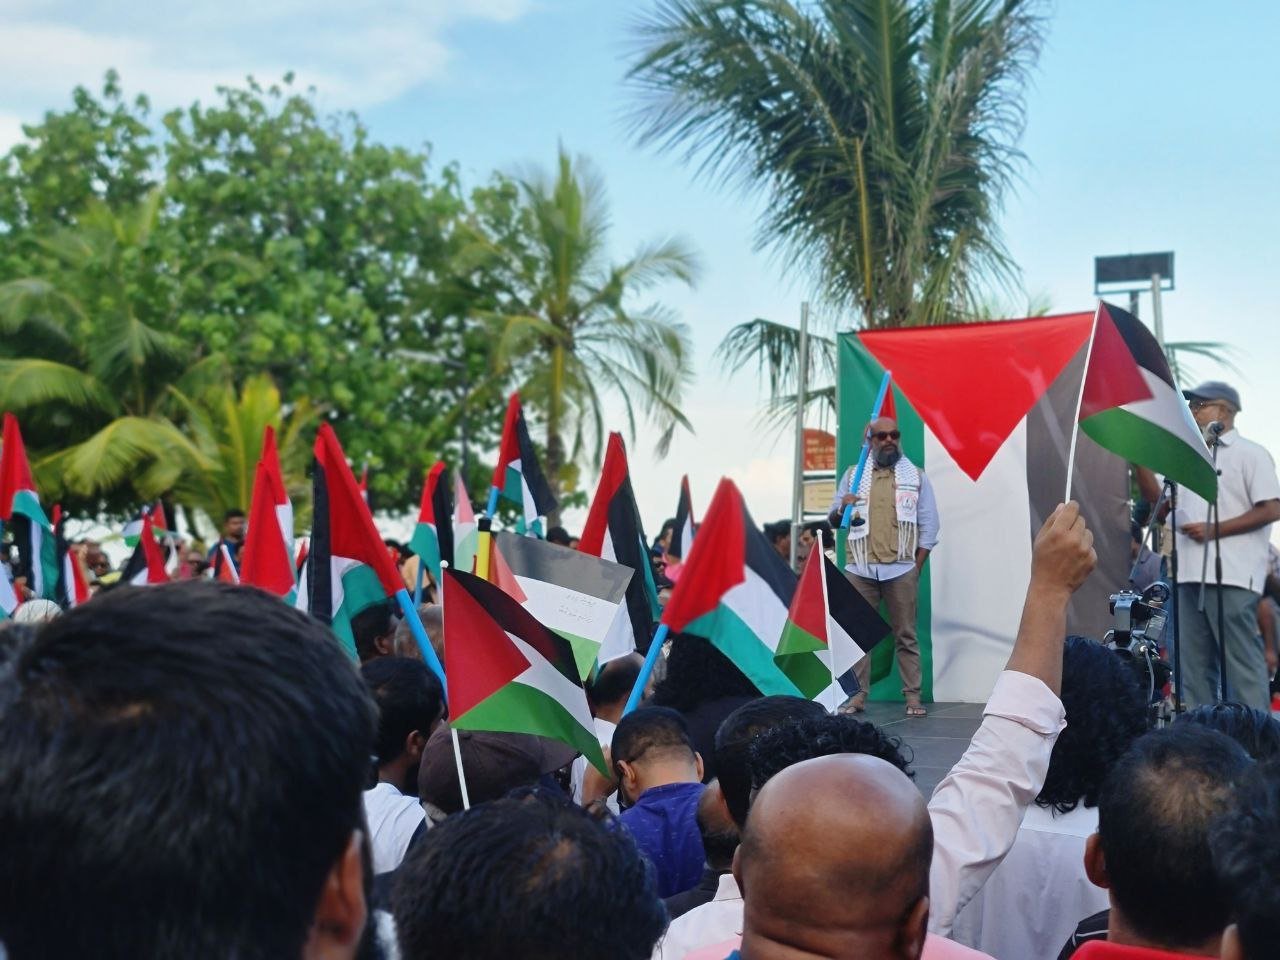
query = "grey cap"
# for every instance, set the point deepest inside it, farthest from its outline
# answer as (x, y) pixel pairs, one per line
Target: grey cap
(1214, 390)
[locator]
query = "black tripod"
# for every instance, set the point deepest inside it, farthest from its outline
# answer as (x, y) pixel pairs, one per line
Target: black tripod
(1169, 495)
(1212, 520)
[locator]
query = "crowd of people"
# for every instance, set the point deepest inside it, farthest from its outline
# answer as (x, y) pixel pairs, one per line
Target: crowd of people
(197, 770)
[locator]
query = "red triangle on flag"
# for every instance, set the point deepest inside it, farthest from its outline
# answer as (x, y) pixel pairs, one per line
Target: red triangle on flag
(972, 383)
(265, 555)
(352, 532)
(612, 476)
(1113, 378)
(716, 561)
(809, 604)
(479, 656)
(15, 469)
(500, 575)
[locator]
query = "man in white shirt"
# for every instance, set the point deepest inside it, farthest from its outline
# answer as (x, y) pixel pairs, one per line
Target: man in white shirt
(410, 706)
(977, 809)
(894, 527)
(1248, 503)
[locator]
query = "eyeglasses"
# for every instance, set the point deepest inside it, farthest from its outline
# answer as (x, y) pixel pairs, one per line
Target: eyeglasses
(883, 435)
(1198, 404)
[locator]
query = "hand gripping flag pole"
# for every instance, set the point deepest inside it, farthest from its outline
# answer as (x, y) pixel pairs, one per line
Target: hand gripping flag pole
(876, 407)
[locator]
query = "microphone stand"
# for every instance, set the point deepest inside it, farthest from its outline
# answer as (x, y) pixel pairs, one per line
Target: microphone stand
(1177, 615)
(1213, 519)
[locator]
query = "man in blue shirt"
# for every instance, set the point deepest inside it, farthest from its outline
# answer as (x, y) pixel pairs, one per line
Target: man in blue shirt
(660, 779)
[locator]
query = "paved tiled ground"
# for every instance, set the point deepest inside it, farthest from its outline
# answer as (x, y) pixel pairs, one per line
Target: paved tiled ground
(936, 742)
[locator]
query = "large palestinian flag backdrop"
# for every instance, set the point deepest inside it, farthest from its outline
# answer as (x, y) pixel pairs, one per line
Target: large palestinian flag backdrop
(987, 411)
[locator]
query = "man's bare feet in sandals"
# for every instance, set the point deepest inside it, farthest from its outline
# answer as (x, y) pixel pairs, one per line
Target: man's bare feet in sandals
(855, 704)
(916, 710)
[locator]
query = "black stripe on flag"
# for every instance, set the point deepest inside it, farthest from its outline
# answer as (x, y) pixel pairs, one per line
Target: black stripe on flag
(629, 549)
(859, 619)
(1144, 347)
(442, 510)
(543, 501)
(319, 569)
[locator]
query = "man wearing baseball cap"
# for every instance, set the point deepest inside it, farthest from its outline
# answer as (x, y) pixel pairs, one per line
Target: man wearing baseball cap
(1248, 503)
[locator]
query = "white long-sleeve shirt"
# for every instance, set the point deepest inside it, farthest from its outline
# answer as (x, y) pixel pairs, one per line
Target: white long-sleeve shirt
(927, 523)
(975, 811)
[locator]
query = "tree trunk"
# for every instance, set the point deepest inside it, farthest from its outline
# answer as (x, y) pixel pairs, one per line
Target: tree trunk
(555, 441)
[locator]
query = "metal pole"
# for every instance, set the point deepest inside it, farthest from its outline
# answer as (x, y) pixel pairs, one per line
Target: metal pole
(802, 375)
(1133, 302)
(1157, 316)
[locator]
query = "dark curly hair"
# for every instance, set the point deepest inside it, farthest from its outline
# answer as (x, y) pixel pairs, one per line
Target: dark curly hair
(698, 673)
(794, 742)
(1255, 730)
(1246, 859)
(1106, 708)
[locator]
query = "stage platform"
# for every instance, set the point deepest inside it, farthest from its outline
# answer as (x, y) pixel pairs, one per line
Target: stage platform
(936, 741)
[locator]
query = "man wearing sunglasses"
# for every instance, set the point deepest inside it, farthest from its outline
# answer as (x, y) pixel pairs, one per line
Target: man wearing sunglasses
(895, 525)
(1248, 503)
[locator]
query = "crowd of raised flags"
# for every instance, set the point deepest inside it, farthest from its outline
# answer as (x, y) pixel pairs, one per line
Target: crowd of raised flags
(524, 671)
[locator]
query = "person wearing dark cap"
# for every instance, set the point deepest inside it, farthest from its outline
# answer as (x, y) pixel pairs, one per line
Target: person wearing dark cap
(1248, 503)
(493, 763)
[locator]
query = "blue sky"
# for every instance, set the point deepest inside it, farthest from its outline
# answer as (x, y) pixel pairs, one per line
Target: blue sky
(1151, 126)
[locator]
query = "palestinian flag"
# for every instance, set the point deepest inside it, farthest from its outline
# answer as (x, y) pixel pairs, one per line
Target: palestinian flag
(613, 532)
(73, 583)
(507, 673)
(829, 629)
(518, 476)
(682, 536)
(1132, 407)
(735, 591)
(432, 539)
(20, 508)
(146, 564)
(224, 568)
(466, 532)
(159, 525)
(348, 567)
(266, 557)
(987, 410)
(580, 597)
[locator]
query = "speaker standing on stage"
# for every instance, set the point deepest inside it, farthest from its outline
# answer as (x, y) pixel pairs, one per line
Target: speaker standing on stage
(887, 550)
(1248, 503)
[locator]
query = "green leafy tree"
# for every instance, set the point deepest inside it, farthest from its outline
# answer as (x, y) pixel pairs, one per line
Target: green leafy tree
(357, 306)
(566, 326)
(226, 426)
(881, 133)
(90, 356)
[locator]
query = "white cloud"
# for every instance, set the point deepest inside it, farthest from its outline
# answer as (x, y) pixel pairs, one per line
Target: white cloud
(355, 53)
(10, 131)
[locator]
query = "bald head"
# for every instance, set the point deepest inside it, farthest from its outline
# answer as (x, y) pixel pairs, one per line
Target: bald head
(834, 862)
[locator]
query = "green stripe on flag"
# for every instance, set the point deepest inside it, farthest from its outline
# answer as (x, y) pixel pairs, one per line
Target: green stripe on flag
(517, 708)
(426, 544)
(27, 503)
(729, 634)
(1144, 441)
(857, 381)
(796, 657)
(361, 589)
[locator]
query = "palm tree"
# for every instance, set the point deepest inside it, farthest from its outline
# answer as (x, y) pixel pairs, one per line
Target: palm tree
(880, 132)
(226, 427)
(568, 329)
(91, 359)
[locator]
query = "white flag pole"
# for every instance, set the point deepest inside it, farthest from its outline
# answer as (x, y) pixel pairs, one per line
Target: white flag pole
(1075, 423)
(453, 731)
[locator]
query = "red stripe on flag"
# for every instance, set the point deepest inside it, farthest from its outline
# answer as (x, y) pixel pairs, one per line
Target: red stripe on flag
(15, 469)
(716, 561)
(1113, 378)
(479, 657)
(509, 449)
(611, 479)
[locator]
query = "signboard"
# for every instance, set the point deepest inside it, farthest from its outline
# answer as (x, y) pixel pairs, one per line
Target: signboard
(818, 495)
(819, 451)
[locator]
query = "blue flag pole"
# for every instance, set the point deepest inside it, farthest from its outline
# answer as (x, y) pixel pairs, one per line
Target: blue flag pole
(420, 634)
(646, 671)
(492, 508)
(866, 446)
(417, 584)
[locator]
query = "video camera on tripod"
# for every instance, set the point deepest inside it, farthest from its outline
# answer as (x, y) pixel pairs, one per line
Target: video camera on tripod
(1140, 622)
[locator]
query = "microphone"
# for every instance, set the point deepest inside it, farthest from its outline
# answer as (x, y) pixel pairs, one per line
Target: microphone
(1215, 430)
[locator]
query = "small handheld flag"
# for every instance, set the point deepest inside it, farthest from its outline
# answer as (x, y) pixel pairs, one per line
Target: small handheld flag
(146, 565)
(20, 507)
(518, 477)
(266, 556)
(508, 673)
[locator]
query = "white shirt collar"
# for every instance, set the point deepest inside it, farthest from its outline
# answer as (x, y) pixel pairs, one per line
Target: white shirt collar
(727, 888)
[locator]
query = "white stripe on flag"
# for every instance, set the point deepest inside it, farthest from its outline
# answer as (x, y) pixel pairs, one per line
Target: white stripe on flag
(8, 599)
(758, 607)
(541, 675)
(980, 569)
